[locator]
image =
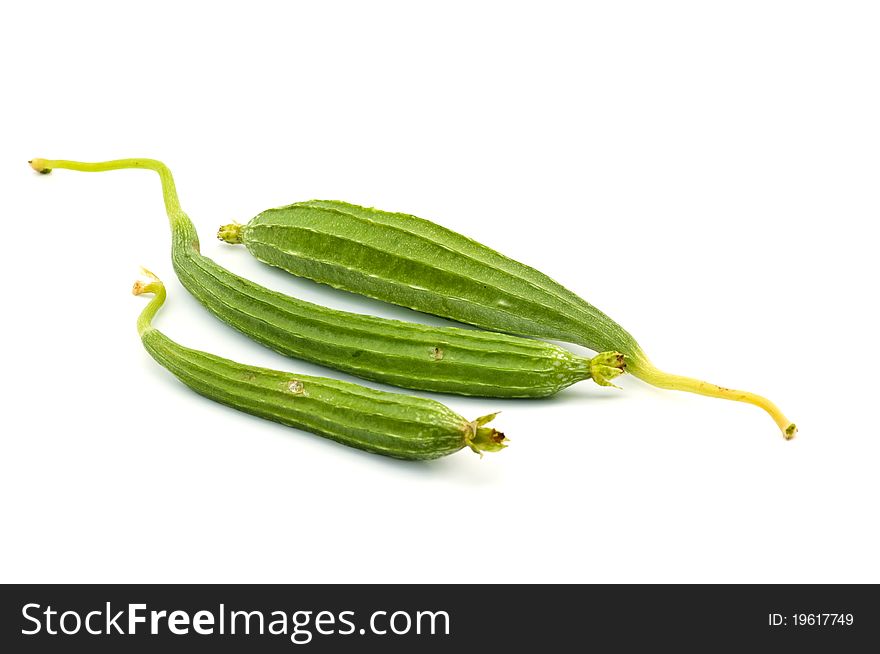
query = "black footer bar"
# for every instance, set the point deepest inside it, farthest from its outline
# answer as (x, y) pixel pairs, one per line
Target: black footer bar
(428, 618)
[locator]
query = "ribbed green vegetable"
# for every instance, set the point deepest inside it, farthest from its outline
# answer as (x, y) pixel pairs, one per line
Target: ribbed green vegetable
(418, 264)
(391, 424)
(409, 355)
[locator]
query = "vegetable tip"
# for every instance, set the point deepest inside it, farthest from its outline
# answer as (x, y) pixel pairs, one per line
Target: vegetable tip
(40, 166)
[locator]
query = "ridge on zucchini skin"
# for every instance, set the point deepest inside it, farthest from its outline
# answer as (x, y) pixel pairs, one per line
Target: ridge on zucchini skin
(390, 424)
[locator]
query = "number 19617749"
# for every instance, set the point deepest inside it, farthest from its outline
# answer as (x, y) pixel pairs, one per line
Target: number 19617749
(810, 619)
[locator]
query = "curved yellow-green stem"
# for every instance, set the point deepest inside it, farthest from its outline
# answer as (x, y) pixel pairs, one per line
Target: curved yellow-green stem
(179, 220)
(648, 373)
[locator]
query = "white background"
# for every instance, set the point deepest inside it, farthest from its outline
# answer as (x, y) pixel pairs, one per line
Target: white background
(706, 173)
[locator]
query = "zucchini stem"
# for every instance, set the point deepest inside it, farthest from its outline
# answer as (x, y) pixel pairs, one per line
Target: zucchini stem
(651, 375)
(180, 222)
(157, 288)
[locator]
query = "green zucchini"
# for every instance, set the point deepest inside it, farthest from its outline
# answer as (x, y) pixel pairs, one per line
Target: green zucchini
(404, 354)
(391, 424)
(405, 260)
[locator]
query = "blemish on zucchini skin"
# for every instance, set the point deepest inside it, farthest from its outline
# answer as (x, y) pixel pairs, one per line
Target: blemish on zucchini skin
(437, 353)
(296, 387)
